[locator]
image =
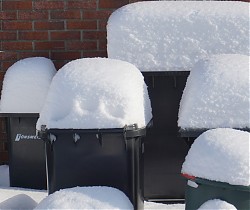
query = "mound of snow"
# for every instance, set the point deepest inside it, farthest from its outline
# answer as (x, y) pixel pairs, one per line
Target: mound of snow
(20, 201)
(4, 176)
(26, 84)
(217, 94)
(96, 93)
(167, 35)
(220, 154)
(216, 204)
(86, 198)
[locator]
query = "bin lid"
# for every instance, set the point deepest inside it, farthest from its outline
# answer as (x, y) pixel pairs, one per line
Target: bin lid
(176, 34)
(221, 155)
(97, 93)
(26, 84)
(19, 114)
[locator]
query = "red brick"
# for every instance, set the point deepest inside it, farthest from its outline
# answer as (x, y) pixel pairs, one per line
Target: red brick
(65, 35)
(6, 64)
(23, 55)
(8, 56)
(101, 14)
(102, 45)
(85, 45)
(16, 45)
(32, 15)
(95, 54)
(56, 45)
(72, 14)
(16, 25)
(4, 157)
(44, 25)
(33, 35)
(8, 35)
(16, 5)
(48, 5)
(87, 4)
(102, 25)
(8, 16)
(94, 34)
(84, 25)
(59, 64)
(104, 4)
(65, 55)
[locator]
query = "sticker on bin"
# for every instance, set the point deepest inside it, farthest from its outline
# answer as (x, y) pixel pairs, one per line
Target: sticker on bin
(20, 137)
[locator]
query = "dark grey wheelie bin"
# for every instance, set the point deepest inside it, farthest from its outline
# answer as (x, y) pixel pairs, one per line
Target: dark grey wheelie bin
(205, 190)
(27, 166)
(96, 157)
(164, 149)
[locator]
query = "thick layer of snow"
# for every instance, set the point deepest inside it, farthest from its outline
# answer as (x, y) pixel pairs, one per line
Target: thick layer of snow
(220, 154)
(14, 198)
(96, 93)
(4, 176)
(162, 35)
(87, 198)
(26, 84)
(217, 94)
(217, 204)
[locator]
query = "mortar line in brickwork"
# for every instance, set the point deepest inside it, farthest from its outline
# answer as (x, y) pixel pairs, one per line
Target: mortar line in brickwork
(97, 5)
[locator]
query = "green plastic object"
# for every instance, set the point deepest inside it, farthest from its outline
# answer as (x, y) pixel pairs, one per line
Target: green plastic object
(198, 191)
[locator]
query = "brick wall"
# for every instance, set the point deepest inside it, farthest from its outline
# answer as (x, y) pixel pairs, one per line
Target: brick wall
(61, 30)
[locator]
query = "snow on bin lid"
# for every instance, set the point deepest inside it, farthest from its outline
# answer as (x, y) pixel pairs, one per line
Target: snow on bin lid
(216, 204)
(96, 93)
(174, 35)
(220, 154)
(25, 85)
(86, 198)
(216, 94)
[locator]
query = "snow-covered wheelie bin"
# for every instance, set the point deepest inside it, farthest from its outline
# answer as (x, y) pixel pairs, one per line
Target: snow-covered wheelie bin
(24, 90)
(93, 123)
(217, 167)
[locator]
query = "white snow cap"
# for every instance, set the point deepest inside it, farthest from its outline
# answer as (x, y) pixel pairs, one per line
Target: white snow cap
(216, 204)
(25, 85)
(173, 35)
(220, 154)
(87, 198)
(217, 94)
(96, 93)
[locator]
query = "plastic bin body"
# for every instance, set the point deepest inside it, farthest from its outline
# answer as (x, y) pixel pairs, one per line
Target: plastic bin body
(165, 151)
(96, 157)
(27, 165)
(239, 196)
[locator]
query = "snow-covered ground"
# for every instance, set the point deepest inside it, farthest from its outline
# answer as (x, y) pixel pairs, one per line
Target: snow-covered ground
(19, 198)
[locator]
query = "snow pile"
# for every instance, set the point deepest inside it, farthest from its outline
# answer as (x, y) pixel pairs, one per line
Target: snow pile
(20, 201)
(217, 94)
(26, 84)
(96, 93)
(4, 176)
(86, 198)
(175, 34)
(220, 154)
(217, 204)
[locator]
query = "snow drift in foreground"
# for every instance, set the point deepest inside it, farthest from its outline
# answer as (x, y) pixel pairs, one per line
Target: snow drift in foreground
(96, 93)
(217, 204)
(25, 85)
(217, 94)
(220, 154)
(167, 35)
(86, 198)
